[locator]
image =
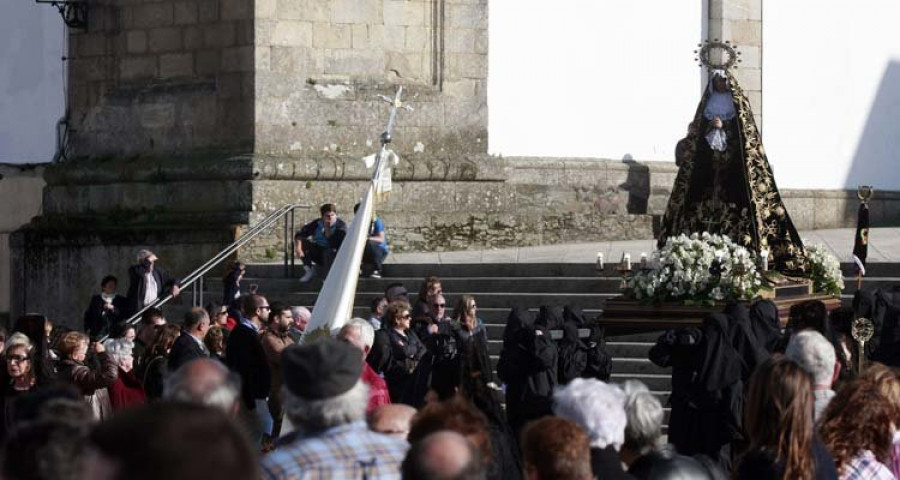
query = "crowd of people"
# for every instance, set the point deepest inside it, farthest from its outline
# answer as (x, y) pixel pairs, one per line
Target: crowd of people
(412, 392)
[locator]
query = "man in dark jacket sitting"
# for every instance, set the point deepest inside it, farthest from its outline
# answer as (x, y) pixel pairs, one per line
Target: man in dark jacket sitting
(319, 240)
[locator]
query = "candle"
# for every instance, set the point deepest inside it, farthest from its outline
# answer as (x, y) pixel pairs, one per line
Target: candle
(764, 257)
(626, 260)
(643, 259)
(599, 260)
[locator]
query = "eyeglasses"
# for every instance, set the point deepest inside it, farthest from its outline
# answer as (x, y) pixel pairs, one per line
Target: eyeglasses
(265, 307)
(438, 305)
(17, 358)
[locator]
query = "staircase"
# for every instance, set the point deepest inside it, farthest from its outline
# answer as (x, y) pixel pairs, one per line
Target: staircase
(499, 287)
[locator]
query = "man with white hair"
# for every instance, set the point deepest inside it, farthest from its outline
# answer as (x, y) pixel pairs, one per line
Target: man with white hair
(147, 282)
(816, 355)
(360, 334)
(326, 400)
(300, 316)
(599, 409)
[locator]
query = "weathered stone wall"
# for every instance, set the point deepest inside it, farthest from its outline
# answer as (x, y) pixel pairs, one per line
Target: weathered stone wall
(320, 65)
(20, 199)
(162, 77)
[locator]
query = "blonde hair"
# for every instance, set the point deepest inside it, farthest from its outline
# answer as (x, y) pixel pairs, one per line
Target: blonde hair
(71, 342)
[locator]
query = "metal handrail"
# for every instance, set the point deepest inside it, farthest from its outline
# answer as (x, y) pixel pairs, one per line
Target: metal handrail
(224, 254)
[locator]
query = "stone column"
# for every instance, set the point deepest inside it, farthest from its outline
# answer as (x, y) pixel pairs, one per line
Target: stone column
(740, 21)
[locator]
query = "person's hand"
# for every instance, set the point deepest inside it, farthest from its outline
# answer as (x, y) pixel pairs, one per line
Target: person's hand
(175, 290)
(299, 251)
(717, 122)
(433, 328)
(108, 306)
(99, 348)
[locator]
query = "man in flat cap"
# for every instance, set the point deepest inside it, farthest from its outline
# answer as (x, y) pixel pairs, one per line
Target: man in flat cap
(326, 401)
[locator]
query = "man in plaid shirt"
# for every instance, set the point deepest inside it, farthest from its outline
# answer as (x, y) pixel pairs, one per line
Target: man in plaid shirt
(326, 400)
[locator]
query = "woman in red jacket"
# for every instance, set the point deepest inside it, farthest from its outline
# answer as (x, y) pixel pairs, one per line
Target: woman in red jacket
(127, 390)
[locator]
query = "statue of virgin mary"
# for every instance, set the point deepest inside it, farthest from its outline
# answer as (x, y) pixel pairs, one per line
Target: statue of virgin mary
(725, 183)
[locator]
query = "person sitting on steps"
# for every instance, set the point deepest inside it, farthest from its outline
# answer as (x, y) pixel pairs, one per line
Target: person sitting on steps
(319, 240)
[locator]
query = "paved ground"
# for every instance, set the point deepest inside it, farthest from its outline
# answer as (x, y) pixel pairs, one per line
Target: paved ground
(884, 246)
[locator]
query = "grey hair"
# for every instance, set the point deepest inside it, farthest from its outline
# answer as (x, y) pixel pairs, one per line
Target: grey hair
(142, 254)
(599, 408)
(298, 311)
(17, 339)
(322, 414)
(815, 354)
(221, 392)
(118, 349)
(366, 332)
(645, 417)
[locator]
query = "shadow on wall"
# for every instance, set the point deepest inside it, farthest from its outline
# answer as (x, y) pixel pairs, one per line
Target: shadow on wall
(878, 151)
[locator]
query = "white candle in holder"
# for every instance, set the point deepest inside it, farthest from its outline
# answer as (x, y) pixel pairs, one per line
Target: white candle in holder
(643, 259)
(764, 257)
(626, 260)
(599, 260)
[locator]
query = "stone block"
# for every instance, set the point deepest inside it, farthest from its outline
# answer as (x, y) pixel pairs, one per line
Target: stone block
(175, 65)
(394, 38)
(207, 62)
(292, 33)
(742, 10)
(229, 85)
(208, 11)
(291, 60)
(327, 35)
(236, 9)
(135, 68)
(262, 59)
(165, 39)
(744, 32)
(238, 59)
(716, 10)
(149, 15)
(751, 56)
(460, 89)
(92, 45)
(192, 37)
(186, 13)
(481, 41)
(355, 11)
(467, 16)
(219, 35)
(369, 37)
(265, 8)
(306, 10)
(418, 39)
(460, 40)
(245, 34)
(354, 62)
(407, 65)
(467, 65)
(404, 13)
(156, 115)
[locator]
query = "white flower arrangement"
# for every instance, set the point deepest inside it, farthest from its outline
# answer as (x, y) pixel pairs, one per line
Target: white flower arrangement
(824, 269)
(681, 271)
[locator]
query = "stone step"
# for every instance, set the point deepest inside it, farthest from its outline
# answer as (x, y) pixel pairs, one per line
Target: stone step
(450, 285)
(633, 366)
(628, 349)
(654, 382)
(422, 270)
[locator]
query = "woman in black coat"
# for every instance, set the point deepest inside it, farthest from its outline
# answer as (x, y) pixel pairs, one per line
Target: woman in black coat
(396, 353)
(105, 310)
(528, 364)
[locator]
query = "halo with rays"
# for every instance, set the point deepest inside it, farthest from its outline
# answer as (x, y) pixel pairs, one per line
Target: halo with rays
(717, 55)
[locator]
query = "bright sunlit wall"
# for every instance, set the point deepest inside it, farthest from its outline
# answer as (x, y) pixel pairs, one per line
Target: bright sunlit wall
(831, 93)
(592, 78)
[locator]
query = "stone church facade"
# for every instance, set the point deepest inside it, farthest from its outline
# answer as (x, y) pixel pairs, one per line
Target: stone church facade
(194, 119)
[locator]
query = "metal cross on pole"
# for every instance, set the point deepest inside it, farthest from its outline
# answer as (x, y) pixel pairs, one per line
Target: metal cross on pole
(334, 306)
